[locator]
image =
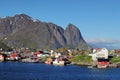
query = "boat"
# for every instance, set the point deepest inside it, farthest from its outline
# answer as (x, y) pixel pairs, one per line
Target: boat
(58, 63)
(90, 66)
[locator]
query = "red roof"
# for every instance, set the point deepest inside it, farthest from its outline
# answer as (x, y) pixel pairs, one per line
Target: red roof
(14, 55)
(36, 53)
(103, 63)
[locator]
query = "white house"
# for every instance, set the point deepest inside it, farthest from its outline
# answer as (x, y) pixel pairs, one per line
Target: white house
(101, 53)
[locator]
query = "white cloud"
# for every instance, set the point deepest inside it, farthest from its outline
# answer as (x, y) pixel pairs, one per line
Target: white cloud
(103, 41)
(108, 43)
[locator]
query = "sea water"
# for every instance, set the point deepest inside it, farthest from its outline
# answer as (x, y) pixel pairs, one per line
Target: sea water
(39, 71)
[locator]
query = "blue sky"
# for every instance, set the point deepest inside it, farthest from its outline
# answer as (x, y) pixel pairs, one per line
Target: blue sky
(98, 20)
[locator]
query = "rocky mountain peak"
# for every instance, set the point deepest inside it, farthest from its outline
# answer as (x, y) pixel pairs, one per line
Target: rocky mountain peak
(21, 16)
(70, 26)
(24, 31)
(73, 35)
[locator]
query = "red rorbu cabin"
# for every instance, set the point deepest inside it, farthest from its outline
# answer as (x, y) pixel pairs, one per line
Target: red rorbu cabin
(103, 63)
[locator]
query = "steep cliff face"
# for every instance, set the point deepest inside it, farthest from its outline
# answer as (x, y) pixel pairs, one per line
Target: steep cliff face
(72, 35)
(24, 31)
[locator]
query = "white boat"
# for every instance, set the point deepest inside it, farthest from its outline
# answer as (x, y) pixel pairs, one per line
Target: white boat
(58, 63)
(90, 66)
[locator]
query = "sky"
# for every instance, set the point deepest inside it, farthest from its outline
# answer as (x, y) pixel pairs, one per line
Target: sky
(98, 20)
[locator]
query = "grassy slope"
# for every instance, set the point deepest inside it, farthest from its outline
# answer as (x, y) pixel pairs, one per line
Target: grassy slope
(82, 59)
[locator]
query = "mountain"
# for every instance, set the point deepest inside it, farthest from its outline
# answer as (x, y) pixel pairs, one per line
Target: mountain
(24, 31)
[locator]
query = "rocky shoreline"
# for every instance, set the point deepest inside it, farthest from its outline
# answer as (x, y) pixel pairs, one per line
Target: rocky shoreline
(91, 65)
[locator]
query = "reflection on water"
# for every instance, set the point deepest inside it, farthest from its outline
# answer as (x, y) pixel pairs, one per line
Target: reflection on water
(33, 71)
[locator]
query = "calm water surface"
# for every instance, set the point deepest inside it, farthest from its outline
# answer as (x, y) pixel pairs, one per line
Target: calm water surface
(37, 71)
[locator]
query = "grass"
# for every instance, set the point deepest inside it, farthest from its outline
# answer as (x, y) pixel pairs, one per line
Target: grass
(82, 59)
(115, 59)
